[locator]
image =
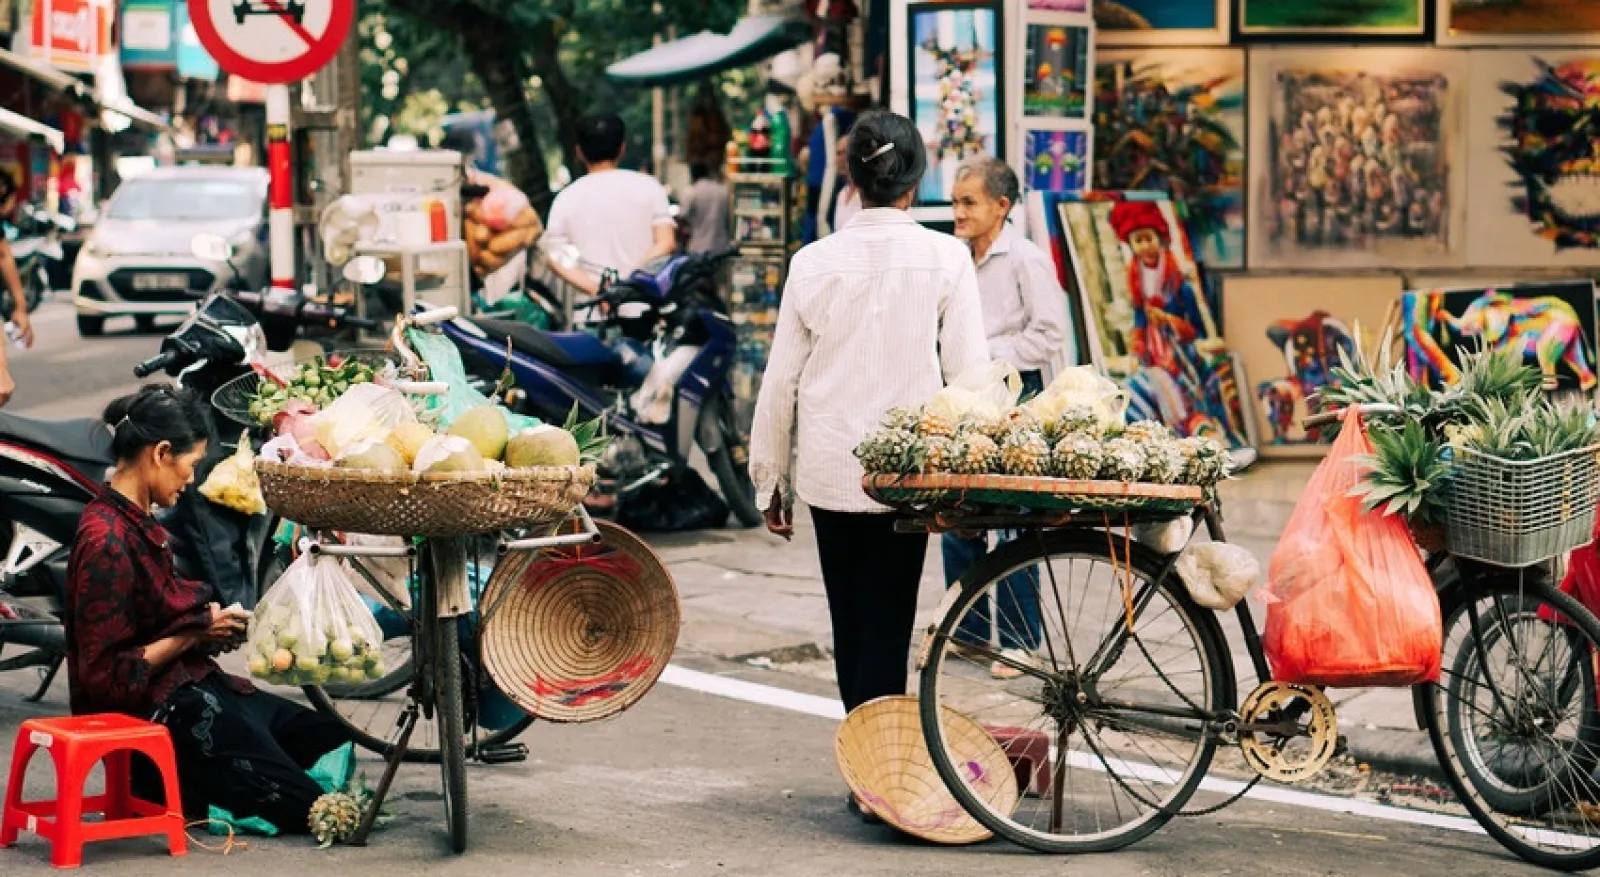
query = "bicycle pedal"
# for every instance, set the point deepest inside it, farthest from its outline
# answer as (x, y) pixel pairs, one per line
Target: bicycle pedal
(508, 754)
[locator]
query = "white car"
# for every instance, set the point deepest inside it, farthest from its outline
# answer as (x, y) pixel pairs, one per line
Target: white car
(139, 262)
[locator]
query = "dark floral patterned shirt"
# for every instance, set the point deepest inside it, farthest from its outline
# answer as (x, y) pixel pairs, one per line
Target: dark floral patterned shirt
(123, 594)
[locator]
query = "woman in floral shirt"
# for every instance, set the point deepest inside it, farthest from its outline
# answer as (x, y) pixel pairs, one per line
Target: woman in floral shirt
(142, 641)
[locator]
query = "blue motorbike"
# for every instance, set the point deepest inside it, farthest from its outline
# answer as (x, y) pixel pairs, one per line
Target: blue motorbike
(656, 363)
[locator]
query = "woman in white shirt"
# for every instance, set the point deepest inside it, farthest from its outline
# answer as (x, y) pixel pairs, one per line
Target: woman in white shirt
(877, 315)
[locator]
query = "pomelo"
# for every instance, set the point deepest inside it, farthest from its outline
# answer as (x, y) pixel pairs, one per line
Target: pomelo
(543, 445)
(484, 426)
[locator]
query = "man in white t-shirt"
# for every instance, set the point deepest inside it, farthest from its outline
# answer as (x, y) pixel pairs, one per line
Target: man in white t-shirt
(615, 218)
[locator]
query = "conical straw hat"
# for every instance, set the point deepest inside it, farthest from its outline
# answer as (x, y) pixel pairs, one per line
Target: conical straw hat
(885, 761)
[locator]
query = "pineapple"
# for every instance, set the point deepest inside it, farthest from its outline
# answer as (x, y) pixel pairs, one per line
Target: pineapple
(938, 455)
(334, 818)
(1164, 463)
(988, 425)
(1124, 460)
(1147, 431)
(932, 423)
(888, 451)
(1406, 474)
(976, 454)
(1021, 418)
(1025, 452)
(1079, 420)
(901, 418)
(1206, 461)
(1076, 456)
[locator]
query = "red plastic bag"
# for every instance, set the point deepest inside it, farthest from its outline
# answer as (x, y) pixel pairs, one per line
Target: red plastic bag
(1349, 603)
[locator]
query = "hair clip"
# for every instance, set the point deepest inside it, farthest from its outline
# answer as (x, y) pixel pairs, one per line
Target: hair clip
(120, 424)
(881, 151)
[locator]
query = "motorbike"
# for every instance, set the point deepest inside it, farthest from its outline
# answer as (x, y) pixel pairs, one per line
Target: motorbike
(36, 246)
(49, 470)
(656, 364)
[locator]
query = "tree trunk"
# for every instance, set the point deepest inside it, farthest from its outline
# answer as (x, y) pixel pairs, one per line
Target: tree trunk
(545, 48)
(495, 51)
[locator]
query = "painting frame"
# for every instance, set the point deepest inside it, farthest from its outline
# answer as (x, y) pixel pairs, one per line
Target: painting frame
(1078, 29)
(1573, 35)
(1286, 81)
(1038, 135)
(1219, 34)
(1243, 33)
(1433, 318)
(1217, 67)
(903, 90)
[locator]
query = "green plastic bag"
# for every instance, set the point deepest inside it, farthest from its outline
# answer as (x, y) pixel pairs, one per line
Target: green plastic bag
(332, 772)
(444, 364)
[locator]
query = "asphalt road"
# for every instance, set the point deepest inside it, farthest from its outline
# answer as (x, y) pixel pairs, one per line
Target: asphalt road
(697, 783)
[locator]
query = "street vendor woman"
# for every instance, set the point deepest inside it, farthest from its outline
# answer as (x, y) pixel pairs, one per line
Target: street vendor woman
(142, 641)
(877, 315)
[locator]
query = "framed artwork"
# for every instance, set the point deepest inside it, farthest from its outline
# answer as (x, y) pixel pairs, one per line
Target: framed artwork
(1358, 158)
(1147, 323)
(1324, 18)
(1173, 120)
(1531, 154)
(1289, 331)
(1055, 161)
(1079, 6)
(1519, 22)
(1055, 71)
(1551, 324)
(1161, 22)
(953, 89)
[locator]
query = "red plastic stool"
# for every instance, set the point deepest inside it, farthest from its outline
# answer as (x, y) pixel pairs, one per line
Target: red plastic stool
(1029, 753)
(77, 744)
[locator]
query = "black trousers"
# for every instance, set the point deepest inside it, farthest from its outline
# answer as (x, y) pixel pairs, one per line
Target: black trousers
(871, 574)
(246, 753)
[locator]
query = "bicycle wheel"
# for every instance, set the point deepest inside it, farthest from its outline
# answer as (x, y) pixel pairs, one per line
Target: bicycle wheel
(1513, 718)
(452, 737)
(1110, 724)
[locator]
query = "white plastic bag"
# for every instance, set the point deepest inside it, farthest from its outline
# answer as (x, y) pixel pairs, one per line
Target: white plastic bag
(392, 574)
(232, 483)
(987, 389)
(311, 628)
(1168, 537)
(1081, 385)
(1217, 574)
(284, 449)
(365, 413)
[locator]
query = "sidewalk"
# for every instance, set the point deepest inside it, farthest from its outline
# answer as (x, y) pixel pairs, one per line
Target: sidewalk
(748, 596)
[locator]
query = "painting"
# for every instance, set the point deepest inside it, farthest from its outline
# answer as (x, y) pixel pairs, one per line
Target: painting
(1056, 161)
(1519, 22)
(1059, 5)
(1551, 324)
(1055, 71)
(1332, 17)
(1161, 22)
(955, 89)
(1172, 120)
(1150, 327)
(1289, 331)
(1535, 195)
(1358, 158)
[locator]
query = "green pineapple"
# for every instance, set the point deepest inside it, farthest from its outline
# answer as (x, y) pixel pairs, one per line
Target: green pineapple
(1077, 456)
(334, 818)
(931, 423)
(1164, 463)
(1147, 431)
(938, 455)
(1021, 418)
(1025, 452)
(989, 425)
(1406, 474)
(976, 454)
(1205, 460)
(902, 418)
(1079, 420)
(889, 451)
(1124, 460)
(1495, 374)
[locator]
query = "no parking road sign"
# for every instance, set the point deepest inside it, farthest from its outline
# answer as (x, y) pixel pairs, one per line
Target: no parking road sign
(272, 41)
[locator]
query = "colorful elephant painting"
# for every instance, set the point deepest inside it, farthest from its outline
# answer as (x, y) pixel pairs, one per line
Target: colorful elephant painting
(1551, 325)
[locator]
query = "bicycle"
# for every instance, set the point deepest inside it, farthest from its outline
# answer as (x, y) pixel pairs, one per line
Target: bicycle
(1130, 714)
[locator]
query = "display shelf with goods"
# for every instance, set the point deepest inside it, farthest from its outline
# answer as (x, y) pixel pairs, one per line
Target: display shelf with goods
(435, 273)
(753, 294)
(763, 209)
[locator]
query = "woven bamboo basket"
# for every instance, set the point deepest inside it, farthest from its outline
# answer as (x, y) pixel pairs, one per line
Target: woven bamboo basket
(430, 505)
(884, 758)
(580, 634)
(921, 494)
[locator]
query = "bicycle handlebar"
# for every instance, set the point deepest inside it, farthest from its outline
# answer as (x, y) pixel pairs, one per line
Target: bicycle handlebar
(1330, 417)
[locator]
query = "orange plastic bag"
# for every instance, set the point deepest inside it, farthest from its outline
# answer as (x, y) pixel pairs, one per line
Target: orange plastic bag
(1349, 603)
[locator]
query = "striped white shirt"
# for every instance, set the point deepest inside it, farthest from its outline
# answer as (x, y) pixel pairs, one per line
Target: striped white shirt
(879, 314)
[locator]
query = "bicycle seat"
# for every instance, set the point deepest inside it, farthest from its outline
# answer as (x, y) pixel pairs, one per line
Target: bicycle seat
(566, 349)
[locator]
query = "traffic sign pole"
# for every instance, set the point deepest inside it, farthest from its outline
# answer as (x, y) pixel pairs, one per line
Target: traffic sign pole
(280, 164)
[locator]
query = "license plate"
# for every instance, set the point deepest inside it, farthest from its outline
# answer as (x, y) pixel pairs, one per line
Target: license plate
(160, 281)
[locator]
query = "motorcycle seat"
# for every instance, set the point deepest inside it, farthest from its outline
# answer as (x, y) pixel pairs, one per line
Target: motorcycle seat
(566, 349)
(84, 443)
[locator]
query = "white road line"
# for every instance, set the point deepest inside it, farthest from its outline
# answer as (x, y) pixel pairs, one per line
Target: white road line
(828, 708)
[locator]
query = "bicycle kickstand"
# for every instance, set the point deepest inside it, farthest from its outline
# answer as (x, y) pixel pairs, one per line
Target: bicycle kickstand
(408, 723)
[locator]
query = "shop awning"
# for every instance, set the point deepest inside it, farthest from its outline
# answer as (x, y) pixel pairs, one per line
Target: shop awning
(79, 90)
(19, 125)
(753, 39)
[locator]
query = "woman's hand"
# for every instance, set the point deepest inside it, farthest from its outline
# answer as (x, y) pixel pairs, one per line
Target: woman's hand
(780, 520)
(226, 631)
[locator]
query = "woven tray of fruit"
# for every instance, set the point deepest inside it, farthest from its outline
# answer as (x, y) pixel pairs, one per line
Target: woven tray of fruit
(1035, 459)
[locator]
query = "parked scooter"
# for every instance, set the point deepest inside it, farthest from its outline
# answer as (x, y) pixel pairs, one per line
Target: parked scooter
(49, 470)
(657, 364)
(36, 245)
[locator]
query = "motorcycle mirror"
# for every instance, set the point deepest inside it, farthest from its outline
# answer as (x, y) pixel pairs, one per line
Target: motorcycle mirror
(565, 255)
(365, 270)
(211, 247)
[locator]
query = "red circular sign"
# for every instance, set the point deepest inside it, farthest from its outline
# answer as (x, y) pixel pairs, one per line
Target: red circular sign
(272, 41)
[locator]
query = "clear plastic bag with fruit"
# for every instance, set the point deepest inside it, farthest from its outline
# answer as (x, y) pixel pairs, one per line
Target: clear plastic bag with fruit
(312, 628)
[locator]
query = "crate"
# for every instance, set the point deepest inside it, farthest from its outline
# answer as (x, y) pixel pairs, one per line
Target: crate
(1517, 513)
